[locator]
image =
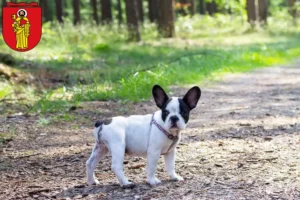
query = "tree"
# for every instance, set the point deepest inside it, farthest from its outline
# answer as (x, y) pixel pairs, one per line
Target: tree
(292, 9)
(47, 14)
(251, 14)
(3, 3)
(119, 8)
(76, 9)
(211, 7)
(95, 11)
(263, 11)
(59, 11)
(140, 10)
(132, 20)
(153, 10)
(192, 7)
(202, 7)
(106, 16)
(166, 18)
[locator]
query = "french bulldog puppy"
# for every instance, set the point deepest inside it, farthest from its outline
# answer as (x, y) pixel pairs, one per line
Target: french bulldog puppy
(149, 136)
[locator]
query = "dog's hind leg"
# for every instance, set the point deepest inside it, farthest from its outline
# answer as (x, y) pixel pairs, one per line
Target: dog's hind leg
(99, 151)
(118, 153)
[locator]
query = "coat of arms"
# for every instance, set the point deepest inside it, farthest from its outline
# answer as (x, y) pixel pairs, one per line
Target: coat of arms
(22, 25)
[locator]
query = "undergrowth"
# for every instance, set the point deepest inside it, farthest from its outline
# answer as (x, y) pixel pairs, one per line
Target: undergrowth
(101, 65)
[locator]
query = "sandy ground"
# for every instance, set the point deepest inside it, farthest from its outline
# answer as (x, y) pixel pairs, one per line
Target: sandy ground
(242, 142)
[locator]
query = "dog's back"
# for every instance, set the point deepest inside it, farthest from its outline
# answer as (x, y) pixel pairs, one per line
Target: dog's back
(132, 131)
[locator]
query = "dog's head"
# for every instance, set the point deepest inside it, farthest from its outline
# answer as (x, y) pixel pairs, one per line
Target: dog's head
(175, 111)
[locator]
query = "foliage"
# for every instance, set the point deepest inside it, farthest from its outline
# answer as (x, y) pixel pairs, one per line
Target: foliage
(101, 65)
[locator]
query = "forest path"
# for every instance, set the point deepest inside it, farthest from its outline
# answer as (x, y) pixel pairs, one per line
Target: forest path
(242, 142)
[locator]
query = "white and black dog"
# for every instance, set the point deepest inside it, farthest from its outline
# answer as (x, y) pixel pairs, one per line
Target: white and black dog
(149, 135)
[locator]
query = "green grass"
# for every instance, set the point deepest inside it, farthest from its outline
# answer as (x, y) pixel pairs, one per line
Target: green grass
(102, 65)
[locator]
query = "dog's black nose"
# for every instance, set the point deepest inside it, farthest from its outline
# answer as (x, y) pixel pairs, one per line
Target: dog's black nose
(174, 119)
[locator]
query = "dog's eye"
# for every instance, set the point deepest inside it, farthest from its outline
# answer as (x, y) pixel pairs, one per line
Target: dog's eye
(166, 112)
(183, 113)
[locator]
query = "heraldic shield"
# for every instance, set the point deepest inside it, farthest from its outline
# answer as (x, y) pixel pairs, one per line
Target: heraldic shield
(22, 25)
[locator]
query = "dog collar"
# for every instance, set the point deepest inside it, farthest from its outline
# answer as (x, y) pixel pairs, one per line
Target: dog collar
(170, 136)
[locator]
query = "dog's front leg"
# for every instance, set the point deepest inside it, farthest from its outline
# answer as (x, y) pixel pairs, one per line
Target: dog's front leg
(152, 159)
(170, 166)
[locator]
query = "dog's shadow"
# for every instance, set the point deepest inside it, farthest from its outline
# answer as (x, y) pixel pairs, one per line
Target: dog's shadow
(107, 191)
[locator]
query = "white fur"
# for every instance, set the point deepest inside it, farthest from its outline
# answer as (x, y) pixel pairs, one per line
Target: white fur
(136, 137)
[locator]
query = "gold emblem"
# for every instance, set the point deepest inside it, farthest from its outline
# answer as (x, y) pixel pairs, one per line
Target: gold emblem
(21, 29)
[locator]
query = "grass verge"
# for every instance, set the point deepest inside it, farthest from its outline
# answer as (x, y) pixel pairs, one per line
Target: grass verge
(100, 65)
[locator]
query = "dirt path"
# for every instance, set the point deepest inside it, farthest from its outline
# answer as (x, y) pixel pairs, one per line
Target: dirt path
(243, 142)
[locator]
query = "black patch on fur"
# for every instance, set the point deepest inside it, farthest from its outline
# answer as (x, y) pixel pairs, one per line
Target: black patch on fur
(101, 122)
(192, 97)
(159, 96)
(164, 111)
(127, 150)
(184, 110)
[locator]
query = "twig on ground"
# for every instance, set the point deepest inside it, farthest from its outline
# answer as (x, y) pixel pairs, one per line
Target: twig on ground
(38, 191)
(5, 100)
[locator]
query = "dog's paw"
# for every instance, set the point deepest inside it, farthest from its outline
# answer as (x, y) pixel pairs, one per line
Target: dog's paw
(128, 185)
(154, 181)
(93, 182)
(177, 178)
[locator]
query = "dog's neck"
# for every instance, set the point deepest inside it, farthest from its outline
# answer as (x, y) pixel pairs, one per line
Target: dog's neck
(174, 132)
(158, 119)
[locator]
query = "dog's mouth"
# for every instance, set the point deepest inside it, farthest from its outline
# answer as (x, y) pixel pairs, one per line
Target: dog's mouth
(174, 126)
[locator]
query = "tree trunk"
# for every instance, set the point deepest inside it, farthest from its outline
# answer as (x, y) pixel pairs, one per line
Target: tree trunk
(47, 15)
(119, 8)
(95, 11)
(140, 10)
(166, 18)
(153, 10)
(263, 11)
(76, 9)
(211, 7)
(59, 11)
(192, 7)
(106, 16)
(251, 11)
(132, 20)
(4, 2)
(202, 9)
(292, 9)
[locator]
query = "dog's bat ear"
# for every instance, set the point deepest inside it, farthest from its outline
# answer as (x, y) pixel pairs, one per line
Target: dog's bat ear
(192, 97)
(159, 96)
